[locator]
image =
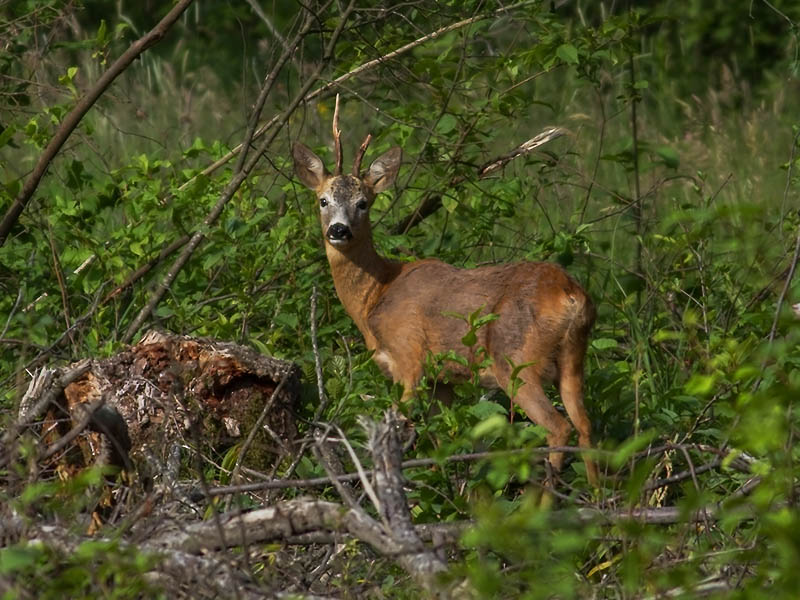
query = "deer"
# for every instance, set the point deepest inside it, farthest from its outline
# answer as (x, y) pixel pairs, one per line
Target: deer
(404, 310)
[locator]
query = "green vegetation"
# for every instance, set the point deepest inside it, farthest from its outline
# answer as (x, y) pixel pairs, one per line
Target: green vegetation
(674, 201)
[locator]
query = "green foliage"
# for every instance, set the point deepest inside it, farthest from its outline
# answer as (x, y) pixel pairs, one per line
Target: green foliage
(95, 568)
(681, 231)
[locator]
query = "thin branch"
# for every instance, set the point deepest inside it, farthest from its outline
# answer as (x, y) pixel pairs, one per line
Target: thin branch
(257, 426)
(323, 398)
(549, 134)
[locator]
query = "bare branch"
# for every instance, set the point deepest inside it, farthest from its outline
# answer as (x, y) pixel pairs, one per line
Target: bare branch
(433, 202)
(524, 148)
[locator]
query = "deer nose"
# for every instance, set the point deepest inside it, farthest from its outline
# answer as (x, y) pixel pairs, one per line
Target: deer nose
(339, 232)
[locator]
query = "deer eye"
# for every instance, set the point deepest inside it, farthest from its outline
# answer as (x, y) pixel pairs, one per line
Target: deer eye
(361, 205)
(323, 202)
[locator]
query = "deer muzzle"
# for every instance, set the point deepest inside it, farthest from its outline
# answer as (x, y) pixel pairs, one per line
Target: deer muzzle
(339, 234)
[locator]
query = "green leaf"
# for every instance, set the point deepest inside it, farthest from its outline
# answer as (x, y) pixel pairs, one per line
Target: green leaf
(450, 204)
(6, 134)
(102, 32)
(494, 424)
(700, 385)
(669, 156)
(568, 53)
(446, 124)
(15, 558)
(604, 343)
(470, 339)
(486, 408)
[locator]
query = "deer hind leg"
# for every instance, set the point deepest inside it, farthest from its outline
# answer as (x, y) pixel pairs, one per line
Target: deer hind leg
(540, 410)
(570, 386)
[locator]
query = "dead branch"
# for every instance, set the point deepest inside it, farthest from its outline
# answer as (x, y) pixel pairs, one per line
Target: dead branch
(524, 148)
(74, 117)
(423, 564)
(395, 537)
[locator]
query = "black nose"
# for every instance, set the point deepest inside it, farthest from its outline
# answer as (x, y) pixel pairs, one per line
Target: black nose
(339, 231)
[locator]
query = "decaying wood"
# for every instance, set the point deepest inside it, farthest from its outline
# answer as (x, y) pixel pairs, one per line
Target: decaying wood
(154, 393)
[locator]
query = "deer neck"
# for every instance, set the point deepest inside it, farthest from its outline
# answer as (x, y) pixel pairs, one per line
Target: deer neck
(360, 276)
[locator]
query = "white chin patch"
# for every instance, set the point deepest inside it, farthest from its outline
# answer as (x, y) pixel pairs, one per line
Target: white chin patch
(338, 242)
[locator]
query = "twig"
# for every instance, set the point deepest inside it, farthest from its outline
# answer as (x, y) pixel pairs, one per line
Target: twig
(323, 398)
(11, 313)
(408, 464)
(549, 134)
(789, 276)
(362, 475)
(74, 117)
(321, 450)
(270, 26)
(62, 284)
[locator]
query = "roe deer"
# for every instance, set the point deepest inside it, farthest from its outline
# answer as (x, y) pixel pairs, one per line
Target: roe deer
(401, 309)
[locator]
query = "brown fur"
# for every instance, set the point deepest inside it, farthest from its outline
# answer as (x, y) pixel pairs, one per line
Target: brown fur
(405, 310)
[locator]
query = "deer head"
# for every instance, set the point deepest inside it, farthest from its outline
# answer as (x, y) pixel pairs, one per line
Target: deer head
(345, 200)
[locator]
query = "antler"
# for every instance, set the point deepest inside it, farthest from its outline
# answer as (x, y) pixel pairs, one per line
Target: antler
(337, 138)
(360, 155)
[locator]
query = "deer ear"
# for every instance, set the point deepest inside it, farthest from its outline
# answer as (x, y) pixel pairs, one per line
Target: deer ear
(383, 171)
(308, 166)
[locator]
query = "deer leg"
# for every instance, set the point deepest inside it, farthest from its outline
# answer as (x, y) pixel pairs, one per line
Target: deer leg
(540, 410)
(570, 386)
